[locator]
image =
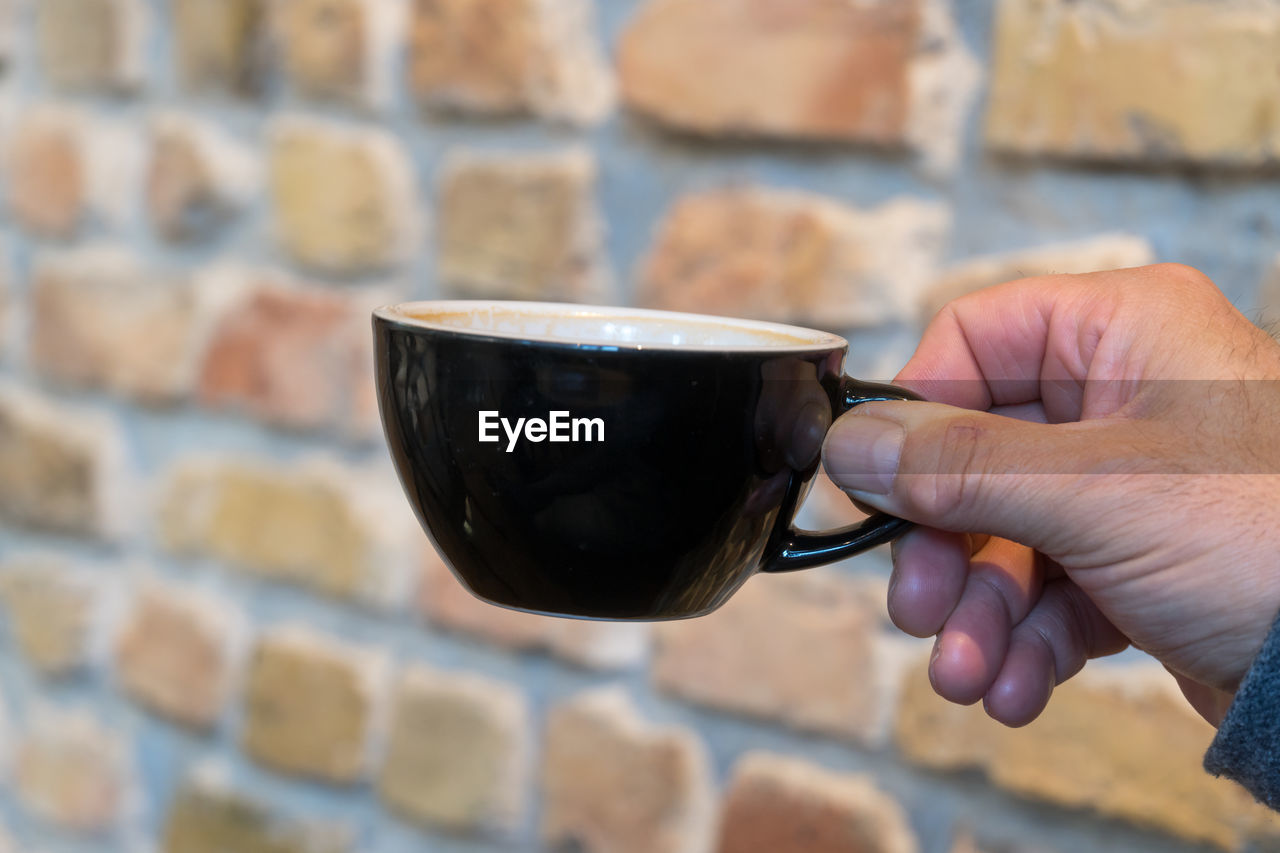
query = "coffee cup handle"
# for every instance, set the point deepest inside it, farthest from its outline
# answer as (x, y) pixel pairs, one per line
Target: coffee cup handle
(802, 549)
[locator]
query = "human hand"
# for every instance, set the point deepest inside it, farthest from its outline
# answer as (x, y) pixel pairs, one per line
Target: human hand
(1100, 466)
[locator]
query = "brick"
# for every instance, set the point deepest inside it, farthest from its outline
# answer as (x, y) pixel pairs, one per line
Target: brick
(342, 198)
(785, 805)
(174, 654)
(91, 45)
(888, 73)
(99, 319)
(340, 49)
(294, 357)
(208, 816)
(611, 781)
(197, 178)
(311, 704)
(808, 69)
(62, 468)
(1104, 252)
(338, 530)
(48, 172)
(520, 226)
(1117, 739)
(1151, 81)
(457, 752)
(596, 645)
(51, 612)
(218, 45)
(509, 57)
(770, 652)
(782, 255)
(72, 772)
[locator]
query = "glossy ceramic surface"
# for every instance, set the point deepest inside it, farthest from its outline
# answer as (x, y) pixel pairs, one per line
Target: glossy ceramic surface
(706, 454)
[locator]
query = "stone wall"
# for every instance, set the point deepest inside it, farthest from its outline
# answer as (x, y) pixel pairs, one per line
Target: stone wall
(223, 630)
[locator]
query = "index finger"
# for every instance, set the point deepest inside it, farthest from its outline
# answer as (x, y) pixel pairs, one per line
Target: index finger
(1001, 345)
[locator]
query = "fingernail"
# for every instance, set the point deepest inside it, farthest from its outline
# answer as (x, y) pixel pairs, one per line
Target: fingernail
(861, 453)
(933, 659)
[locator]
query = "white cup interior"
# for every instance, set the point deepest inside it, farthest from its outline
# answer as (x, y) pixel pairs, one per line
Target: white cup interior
(588, 325)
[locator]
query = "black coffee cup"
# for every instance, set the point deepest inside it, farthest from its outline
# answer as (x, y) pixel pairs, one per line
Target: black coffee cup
(613, 463)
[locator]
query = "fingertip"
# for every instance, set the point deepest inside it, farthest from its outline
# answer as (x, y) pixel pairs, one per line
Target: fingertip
(929, 570)
(1024, 686)
(958, 669)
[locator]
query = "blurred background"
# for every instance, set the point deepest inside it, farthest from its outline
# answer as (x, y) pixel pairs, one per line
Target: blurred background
(223, 632)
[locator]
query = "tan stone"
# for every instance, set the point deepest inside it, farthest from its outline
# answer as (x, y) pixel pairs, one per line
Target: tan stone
(1105, 252)
(174, 654)
(93, 45)
(343, 199)
(72, 772)
(217, 44)
(294, 357)
(340, 49)
(197, 178)
(592, 644)
(50, 609)
(1139, 80)
(338, 530)
(784, 68)
(458, 750)
(500, 57)
(786, 805)
(47, 173)
(612, 782)
(520, 226)
(1117, 739)
(771, 650)
(101, 320)
(208, 816)
(782, 255)
(62, 468)
(311, 704)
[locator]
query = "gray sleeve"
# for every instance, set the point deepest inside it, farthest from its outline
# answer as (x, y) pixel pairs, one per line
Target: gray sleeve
(1247, 746)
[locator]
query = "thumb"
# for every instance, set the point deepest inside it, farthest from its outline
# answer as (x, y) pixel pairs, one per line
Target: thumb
(966, 471)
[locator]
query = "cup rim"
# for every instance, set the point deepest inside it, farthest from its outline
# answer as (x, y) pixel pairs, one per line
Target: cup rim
(807, 340)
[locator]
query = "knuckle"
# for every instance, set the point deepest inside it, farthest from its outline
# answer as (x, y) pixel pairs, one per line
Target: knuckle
(950, 478)
(1184, 279)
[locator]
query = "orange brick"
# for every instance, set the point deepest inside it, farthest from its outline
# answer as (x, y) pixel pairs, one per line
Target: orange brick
(785, 805)
(100, 319)
(783, 68)
(294, 357)
(612, 782)
(771, 650)
(174, 654)
(48, 172)
(782, 255)
(499, 57)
